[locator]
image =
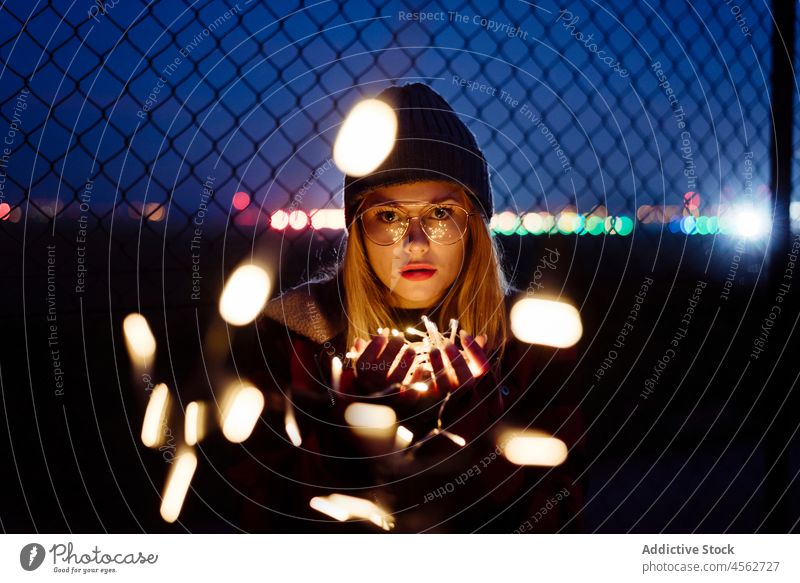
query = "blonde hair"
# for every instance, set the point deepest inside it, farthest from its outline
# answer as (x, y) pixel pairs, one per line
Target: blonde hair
(476, 299)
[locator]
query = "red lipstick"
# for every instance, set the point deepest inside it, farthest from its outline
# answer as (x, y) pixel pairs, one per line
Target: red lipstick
(417, 271)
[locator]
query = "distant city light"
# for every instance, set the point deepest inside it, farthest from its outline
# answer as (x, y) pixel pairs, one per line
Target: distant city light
(241, 200)
(750, 223)
(678, 219)
(327, 219)
(298, 220)
(279, 220)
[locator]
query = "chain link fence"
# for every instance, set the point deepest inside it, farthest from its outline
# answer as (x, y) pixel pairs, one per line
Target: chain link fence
(142, 145)
(153, 116)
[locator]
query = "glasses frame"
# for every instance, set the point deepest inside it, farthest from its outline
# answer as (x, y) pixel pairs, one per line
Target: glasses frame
(426, 206)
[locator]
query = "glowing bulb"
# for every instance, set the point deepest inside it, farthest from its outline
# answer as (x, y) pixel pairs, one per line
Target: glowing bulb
(354, 506)
(290, 424)
(547, 322)
(322, 504)
(244, 407)
(244, 295)
(194, 424)
(180, 477)
(336, 373)
(457, 439)
(368, 420)
(420, 387)
(366, 138)
(533, 448)
(403, 437)
(138, 337)
(361, 508)
(155, 415)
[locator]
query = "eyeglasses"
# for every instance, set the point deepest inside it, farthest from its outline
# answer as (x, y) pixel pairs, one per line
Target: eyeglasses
(444, 224)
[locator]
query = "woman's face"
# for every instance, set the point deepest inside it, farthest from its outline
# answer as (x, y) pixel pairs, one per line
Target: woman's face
(439, 265)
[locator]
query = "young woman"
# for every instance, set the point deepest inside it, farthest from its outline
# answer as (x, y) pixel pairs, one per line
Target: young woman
(418, 246)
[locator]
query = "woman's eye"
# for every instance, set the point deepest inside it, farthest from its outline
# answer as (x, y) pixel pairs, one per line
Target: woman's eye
(440, 213)
(387, 216)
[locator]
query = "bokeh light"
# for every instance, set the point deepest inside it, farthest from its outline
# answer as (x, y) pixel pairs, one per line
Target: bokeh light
(139, 339)
(533, 448)
(546, 322)
(194, 423)
(369, 420)
(533, 223)
(750, 223)
(298, 220)
(155, 416)
(244, 295)
(279, 220)
(241, 200)
(243, 406)
(327, 219)
(178, 481)
(366, 138)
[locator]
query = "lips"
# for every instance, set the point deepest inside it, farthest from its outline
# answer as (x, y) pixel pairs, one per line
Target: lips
(417, 271)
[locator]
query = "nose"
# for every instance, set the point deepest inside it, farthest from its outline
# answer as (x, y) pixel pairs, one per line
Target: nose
(416, 240)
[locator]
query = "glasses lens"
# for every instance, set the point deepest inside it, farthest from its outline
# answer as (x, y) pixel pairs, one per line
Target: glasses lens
(384, 224)
(445, 224)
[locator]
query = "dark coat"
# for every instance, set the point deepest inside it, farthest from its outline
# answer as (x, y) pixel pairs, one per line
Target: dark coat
(440, 487)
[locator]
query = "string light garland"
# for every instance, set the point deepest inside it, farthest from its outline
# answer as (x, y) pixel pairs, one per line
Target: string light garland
(244, 403)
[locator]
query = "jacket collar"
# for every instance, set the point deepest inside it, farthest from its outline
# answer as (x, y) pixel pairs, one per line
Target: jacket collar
(314, 309)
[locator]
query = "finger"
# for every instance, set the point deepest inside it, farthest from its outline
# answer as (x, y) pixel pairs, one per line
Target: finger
(481, 340)
(370, 353)
(389, 354)
(478, 362)
(458, 364)
(441, 378)
(374, 347)
(401, 370)
(360, 345)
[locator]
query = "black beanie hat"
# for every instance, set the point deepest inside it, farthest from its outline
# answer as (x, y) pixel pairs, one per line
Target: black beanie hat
(432, 144)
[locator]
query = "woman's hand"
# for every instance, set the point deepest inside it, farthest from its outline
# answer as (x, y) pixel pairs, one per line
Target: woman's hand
(373, 367)
(454, 368)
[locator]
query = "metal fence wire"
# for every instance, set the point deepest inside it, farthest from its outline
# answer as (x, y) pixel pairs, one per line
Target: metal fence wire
(135, 135)
(126, 114)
